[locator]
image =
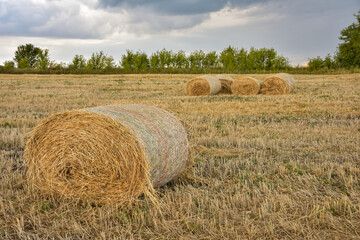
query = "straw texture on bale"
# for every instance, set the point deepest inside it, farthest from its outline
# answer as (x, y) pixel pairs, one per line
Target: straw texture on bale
(203, 86)
(226, 82)
(281, 83)
(246, 86)
(109, 154)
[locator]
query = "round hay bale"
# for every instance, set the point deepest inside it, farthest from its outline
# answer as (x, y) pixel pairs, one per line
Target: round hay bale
(203, 86)
(226, 82)
(108, 154)
(281, 83)
(246, 86)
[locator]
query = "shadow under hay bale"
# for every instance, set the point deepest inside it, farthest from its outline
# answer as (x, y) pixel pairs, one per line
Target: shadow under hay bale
(203, 86)
(109, 154)
(246, 86)
(226, 82)
(278, 84)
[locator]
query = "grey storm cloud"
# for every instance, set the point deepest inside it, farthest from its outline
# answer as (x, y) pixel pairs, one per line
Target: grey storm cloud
(66, 19)
(159, 16)
(26, 18)
(178, 7)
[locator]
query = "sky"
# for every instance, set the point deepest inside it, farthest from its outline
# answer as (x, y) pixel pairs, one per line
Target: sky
(296, 29)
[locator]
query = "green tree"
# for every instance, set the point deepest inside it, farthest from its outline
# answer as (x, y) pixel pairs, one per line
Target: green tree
(165, 58)
(97, 61)
(241, 59)
(180, 60)
(43, 59)
(23, 63)
(271, 55)
(329, 63)
(78, 62)
(316, 63)
(109, 62)
(29, 52)
(227, 58)
(348, 52)
(261, 59)
(127, 60)
(155, 60)
(281, 63)
(319, 63)
(9, 65)
(196, 59)
(255, 59)
(141, 61)
(210, 60)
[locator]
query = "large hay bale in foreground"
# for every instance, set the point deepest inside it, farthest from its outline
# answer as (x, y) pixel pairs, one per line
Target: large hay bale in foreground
(281, 83)
(109, 154)
(226, 82)
(246, 86)
(203, 86)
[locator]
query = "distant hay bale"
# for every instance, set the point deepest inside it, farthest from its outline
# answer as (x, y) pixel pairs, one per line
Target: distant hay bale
(246, 86)
(203, 86)
(109, 154)
(226, 82)
(281, 83)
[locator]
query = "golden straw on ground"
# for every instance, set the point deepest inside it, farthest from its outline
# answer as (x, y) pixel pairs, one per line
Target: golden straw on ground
(281, 83)
(246, 86)
(203, 86)
(226, 82)
(109, 154)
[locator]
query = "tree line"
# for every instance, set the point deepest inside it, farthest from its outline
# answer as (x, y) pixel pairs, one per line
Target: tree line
(28, 56)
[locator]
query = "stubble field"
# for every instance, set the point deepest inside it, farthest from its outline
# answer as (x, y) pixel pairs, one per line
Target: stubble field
(261, 167)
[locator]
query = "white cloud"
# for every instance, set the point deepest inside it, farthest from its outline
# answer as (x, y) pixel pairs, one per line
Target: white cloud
(232, 17)
(81, 21)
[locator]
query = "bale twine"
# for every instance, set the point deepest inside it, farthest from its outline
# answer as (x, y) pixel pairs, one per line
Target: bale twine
(202, 86)
(109, 154)
(281, 83)
(246, 86)
(226, 82)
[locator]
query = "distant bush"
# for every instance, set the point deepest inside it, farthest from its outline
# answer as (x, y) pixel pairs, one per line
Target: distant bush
(318, 63)
(26, 55)
(8, 65)
(78, 62)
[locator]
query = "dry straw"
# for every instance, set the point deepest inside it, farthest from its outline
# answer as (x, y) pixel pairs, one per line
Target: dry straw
(281, 83)
(226, 82)
(246, 86)
(203, 86)
(109, 154)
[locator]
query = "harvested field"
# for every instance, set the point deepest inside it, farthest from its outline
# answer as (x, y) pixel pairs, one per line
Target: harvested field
(263, 166)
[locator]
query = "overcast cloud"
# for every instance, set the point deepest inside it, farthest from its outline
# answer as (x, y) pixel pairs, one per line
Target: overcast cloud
(296, 29)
